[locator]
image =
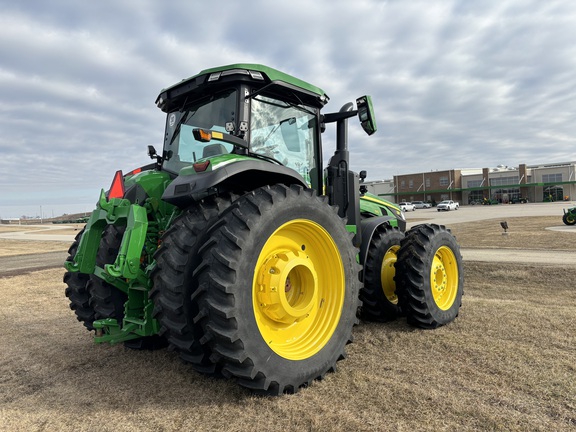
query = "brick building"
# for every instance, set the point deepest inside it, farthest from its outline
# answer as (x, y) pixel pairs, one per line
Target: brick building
(433, 186)
(503, 184)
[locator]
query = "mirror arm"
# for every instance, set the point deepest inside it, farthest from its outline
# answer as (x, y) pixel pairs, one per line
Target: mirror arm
(332, 117)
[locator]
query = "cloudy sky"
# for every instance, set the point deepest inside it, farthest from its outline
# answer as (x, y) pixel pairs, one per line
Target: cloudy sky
(455, 83)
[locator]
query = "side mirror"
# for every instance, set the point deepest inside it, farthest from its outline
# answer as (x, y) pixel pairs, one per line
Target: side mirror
(152, 152)
(366, 114)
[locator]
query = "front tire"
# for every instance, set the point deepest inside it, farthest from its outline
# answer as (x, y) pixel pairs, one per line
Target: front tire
(278, 289)
(107, 300)
(77, 290)
(379, 298)
(429, 276)
(569, 218)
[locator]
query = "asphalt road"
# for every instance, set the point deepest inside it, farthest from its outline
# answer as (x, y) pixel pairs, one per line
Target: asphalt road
(21, 264)
(481, 212)
(521, 256)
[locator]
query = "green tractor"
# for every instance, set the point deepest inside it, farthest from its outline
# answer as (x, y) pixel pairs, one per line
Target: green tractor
(239, 251)
(569, 217)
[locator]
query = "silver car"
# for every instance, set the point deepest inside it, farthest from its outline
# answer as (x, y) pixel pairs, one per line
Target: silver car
(407, 206)
(421, 204)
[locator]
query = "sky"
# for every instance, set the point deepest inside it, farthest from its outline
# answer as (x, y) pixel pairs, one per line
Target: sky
(455, 83)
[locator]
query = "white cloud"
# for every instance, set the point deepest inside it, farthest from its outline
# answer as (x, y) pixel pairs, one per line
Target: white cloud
(456, 83)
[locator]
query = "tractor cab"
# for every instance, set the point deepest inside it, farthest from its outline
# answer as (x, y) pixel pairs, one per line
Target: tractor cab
(264, 126)
(227, 114)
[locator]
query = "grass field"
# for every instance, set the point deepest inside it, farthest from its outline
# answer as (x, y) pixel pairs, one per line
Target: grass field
(508, 363)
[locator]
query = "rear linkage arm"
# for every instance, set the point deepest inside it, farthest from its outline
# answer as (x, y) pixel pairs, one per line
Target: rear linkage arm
(126, 273)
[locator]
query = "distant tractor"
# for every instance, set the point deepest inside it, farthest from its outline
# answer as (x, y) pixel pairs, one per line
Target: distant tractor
(240, 251)
(569, 217)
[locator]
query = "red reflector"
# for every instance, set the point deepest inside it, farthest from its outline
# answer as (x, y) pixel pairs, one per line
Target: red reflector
(136, 171)
(117, 189)
(201, 166)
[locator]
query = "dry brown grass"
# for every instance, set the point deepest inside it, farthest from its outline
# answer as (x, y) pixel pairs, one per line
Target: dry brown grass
(523, 233)
(507, 363)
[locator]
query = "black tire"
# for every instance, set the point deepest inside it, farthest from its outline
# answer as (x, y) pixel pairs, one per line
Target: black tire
(429, 276)
(77, 290)
(278, 289)
(107, 300)
(174, 285)
(569, 219)
(378, 295)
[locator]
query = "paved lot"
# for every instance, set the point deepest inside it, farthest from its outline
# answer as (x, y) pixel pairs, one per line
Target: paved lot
(36, 233)
(481, 212)
(521, 256)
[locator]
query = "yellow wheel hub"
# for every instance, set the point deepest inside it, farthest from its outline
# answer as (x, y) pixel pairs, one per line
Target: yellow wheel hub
(387, 273)
(289, 287)
(444, 278)
(298, 289)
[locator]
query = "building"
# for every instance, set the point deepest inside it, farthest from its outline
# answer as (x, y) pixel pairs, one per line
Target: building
(503, 184)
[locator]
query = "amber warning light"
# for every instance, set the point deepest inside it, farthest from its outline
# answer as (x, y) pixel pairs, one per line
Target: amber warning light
(117, 188)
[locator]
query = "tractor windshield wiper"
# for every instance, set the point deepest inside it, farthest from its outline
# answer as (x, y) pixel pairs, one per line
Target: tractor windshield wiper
(177, 128)
(285, 104)
(290, 121)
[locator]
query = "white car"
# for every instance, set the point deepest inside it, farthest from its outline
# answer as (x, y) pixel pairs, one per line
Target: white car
(407, 206)
(447, 205)
(421, 204)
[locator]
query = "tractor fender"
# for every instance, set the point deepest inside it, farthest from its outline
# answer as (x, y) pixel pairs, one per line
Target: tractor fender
(238, 176)
(368, 228)
(142, 183)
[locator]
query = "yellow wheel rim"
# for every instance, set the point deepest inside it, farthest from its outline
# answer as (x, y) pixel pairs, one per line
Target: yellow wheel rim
(387, 273)
(444, 278)
(298, 289)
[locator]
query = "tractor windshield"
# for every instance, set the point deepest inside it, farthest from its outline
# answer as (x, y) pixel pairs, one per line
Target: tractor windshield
(285, 132)
(182, 149)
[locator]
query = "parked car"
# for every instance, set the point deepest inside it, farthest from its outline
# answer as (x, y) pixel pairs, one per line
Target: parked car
(407, 206)
(421, 204)
(448, 205)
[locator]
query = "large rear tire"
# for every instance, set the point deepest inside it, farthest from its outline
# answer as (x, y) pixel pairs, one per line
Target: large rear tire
(429, 276)
(379, 298)
(278, 289)
(569, 218)
(77, 290)
(174, 286)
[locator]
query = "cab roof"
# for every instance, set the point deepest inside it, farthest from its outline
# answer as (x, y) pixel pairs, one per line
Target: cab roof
(257, 74)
